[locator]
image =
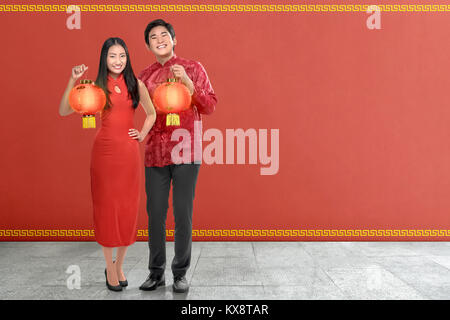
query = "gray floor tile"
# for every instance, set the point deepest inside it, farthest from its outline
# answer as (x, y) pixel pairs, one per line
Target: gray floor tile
(383, 249)
(441, 260)
(348, 262)
(233, 251)
(56, 293)
(316, 291)
(439, 248)
(404, 262)
(430, 279)
(372, 283)
(280, 255)
(293, 276)
(237, 270)
(238, 292)
(331, 249)
(215, 271)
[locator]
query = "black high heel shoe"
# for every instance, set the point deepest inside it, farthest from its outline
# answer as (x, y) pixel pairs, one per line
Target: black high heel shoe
(110, 287)
(122, 283)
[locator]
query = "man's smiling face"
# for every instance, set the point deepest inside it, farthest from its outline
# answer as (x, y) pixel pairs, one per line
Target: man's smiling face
(161, 42)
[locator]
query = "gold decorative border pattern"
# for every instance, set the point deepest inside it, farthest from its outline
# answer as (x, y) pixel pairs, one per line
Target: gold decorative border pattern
(47, 233)
(225, 7)
(239, 233)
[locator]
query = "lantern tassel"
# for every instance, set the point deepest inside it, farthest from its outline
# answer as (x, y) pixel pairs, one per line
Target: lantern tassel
(172, 119)
(88, 121)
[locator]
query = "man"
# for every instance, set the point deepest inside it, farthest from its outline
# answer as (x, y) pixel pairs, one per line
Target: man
(160, 169)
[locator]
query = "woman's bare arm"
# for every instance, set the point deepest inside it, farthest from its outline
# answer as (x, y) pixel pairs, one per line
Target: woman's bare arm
(64, 107)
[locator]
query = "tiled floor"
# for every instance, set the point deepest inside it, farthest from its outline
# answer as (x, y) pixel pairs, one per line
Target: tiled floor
(237, 270)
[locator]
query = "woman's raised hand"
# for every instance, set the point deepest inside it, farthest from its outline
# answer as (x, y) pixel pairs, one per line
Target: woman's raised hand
(64, 107)
(78, 71)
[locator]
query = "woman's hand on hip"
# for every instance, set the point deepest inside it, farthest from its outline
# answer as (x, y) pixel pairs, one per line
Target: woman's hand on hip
(135, 134)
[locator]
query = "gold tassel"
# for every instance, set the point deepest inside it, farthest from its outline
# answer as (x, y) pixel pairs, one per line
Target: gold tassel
(172, 119)
(88, 121)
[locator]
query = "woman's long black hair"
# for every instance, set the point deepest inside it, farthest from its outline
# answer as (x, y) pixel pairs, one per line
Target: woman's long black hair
(128, 74)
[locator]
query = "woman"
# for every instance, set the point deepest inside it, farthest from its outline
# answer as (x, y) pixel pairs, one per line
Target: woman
(115, 163)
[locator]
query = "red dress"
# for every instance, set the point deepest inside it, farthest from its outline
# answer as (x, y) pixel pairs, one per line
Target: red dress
(116, 172)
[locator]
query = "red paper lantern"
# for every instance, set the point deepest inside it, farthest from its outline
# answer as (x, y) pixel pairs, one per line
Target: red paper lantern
(87, 99)
(172, 97)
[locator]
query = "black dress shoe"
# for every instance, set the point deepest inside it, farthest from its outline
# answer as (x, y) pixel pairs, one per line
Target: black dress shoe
(152, 282)
(110, 287)
(180, 284)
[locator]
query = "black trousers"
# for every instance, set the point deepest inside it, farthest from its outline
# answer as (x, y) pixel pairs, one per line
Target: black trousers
(157, 186)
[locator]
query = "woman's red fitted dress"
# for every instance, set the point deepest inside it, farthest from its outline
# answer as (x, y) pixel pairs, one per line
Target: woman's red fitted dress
(116, 172)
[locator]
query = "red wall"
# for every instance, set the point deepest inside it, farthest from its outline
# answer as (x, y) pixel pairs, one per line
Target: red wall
(363, 118)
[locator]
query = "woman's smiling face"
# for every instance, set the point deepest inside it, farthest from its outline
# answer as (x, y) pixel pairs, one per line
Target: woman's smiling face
(116, 59)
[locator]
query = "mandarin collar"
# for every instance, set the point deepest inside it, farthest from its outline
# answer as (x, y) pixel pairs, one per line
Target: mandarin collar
(119, 78)
(169, 62)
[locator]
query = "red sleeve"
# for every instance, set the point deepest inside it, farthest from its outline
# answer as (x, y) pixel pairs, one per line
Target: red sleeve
(141, 75)
(203, 97)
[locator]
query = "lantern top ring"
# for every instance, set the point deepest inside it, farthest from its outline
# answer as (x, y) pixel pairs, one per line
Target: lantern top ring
(85, 81)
